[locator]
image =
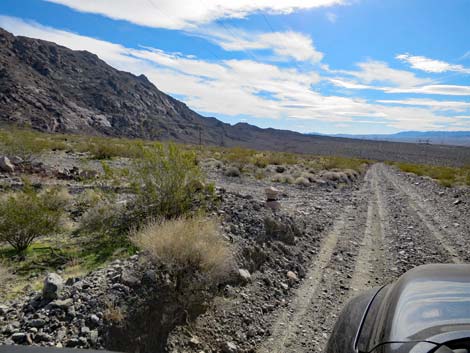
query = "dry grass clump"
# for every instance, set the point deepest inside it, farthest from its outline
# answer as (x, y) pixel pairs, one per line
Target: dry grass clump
(233, 172)
(184, 244)
(351, 174)
(113, 313)
(336, 176)
(283, 178)
(302, 181)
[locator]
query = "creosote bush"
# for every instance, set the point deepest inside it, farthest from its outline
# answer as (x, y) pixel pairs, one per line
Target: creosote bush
(446, 176)
(166, 182)
(27, 215)
(186, 244)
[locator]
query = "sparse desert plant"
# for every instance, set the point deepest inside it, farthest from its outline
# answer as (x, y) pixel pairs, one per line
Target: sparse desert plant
(283, 178)
(233, 172)
(309, 176)
(25, 216)
(165, 182)
(302, 181)
(342, 163)
(186, 244)
(113, 313)
(88, 198)
(446, 176)
(24, 143)
(105, 217)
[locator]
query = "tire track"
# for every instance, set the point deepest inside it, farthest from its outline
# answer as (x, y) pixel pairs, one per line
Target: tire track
(427, 220)
(371, 244)
(304, 325)
(370, 265)
(288, 321)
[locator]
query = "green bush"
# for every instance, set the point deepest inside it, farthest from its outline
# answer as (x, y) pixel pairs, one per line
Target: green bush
(166, 182)
(28, 215)
(446, 176)
(25, 143)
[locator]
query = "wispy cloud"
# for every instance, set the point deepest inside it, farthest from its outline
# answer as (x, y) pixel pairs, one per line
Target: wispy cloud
(431, 65)
(253, 89)
(285, 45)
(332, 17)
(183, 14)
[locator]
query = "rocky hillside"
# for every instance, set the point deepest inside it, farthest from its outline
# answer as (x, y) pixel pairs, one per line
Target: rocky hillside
(55, 89)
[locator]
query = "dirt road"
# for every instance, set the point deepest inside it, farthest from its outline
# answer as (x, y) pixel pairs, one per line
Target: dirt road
(392, 228)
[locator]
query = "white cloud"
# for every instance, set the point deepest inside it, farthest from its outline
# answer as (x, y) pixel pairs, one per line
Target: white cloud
(431, 65)
(243, 87)
(184, 14)
(391, 80)
(332, 17)
(448, 90)
(284, 44)
(379, 72)
(434, 104)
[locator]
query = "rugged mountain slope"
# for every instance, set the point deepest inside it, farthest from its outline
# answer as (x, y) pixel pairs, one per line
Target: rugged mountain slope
(55, 89)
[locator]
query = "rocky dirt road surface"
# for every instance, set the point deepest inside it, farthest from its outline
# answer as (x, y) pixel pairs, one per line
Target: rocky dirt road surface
(398, 222)
(353, 236)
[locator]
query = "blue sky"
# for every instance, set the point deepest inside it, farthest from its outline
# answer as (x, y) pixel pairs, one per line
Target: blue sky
(330, 66)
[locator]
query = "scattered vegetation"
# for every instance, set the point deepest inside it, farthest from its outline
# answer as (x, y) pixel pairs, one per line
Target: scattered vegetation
(28, 215)
(186, 244)
(232, 172)
(160, 181)
(446, 176)
(165, 180)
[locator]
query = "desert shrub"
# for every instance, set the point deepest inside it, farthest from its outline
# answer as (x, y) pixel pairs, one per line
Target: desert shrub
(25, 143)
(260, 174)
(28, 215)
(344, 163)
(233, 172)
(166, 182)
(87, 199)
(309, 176)
(332, 176)
(278, 178)
(283, 178)
(105, 217)
(351, 174)
(186, 244)
(302, 181)
(446, 176)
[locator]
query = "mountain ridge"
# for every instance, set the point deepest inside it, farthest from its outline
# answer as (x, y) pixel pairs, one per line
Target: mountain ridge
(55, 89)
(454, 138)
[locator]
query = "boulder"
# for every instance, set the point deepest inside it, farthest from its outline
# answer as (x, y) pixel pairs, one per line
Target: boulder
(6, 165)
(53, 285)
(244, 275)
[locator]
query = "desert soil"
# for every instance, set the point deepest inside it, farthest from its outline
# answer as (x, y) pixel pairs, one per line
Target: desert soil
(390, 223)
(353, 236)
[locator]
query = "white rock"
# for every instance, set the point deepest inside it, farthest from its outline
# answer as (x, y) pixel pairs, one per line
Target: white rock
(53, 285)
(244, 275)
(272, 193)
(6, 165)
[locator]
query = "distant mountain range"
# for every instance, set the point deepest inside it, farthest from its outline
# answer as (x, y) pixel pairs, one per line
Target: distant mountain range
(54, 89)
(455, 138)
